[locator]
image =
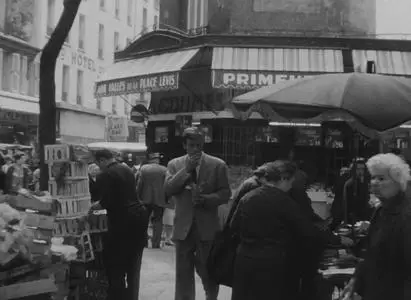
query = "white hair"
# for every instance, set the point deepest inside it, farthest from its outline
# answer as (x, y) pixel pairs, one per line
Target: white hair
(397, 168)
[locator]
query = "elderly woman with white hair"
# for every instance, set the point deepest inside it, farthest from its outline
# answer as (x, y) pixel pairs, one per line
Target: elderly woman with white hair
(386, 271)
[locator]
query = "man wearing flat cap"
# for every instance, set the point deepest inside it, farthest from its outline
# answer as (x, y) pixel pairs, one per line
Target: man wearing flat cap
(150, 189)
(198, 182)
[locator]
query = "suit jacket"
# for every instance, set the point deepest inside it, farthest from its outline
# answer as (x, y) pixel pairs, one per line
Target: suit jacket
(213, 180)
(150, 186)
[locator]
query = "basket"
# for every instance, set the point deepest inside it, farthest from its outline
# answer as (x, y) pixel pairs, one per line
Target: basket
(74, 170)
(98, 223)
(70, 187)
(57, 153)
(73, 207)
(73, 226)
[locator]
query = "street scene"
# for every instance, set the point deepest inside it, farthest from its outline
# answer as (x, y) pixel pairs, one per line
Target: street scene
(205, 150)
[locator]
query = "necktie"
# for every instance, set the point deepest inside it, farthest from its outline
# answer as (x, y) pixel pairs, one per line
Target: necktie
(194, 176)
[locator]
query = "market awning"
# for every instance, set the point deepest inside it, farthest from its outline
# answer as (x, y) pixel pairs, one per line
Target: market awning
(147, 74)
(250, 68)
(386, 62)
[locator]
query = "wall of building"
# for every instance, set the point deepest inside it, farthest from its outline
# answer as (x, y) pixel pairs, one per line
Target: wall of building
(349, 17)
(121, 25)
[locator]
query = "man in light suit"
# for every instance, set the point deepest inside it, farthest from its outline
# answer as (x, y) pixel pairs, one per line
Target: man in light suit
(150, 189)
(199, 185)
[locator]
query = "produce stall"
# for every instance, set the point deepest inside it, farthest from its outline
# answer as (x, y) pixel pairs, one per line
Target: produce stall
(48, 243)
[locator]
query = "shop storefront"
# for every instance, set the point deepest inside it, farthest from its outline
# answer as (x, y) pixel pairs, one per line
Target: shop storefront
(193, 80)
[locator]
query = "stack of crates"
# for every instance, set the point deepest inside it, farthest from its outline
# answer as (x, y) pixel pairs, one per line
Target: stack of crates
(69, 185)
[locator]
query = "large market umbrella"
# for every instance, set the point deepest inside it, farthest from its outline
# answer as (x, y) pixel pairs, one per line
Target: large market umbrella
(378, 102)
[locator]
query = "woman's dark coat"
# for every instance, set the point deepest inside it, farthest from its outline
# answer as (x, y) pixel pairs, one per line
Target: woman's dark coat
(268, 221)
(386, 270)
(9, 179)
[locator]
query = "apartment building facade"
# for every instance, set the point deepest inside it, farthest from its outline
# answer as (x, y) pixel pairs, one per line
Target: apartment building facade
(100, 29)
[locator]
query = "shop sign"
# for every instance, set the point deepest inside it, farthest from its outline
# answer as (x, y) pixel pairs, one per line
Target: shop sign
(249, 79)
(138, 84)
(187, 103)
(14, 117)
(117, 129)
(78, 59)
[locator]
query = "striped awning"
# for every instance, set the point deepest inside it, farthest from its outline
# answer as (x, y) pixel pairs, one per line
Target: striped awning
(386, 62)
(147, 74)
(250, 68)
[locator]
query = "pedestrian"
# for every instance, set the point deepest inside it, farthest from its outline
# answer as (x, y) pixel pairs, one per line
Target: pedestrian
(17, 176)
(127, 226)
(150, 189)
(198, 182)
(385, 272)
(93, 171)
(268, 221)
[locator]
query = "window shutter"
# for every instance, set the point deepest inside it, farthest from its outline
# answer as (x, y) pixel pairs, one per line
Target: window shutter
(23, 75)
(15, 72)
(36, 79)
(1, 69)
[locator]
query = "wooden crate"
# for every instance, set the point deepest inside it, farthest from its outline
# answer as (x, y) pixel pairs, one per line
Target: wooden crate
(83, 244)
(21, 202)
(73, 207)
(26, 289)
(98, 223)
(57, 153)
(70, 187)
(72, 226)
(36, 220)
(74, 170)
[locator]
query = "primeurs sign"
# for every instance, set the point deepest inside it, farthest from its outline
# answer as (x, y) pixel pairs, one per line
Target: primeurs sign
(138, 84)
(249, 79)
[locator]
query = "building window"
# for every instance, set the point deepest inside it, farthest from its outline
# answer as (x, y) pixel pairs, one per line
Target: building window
(117, 9)
(129, 12)
(197, 14)
(127, 105)
(155, 22)
(80, 84)
(157, 4)
(82, 32)
(114, 105)
(103, 4)
(101, 41)
(144, 25)
(24, 75)
(128, 41)
(66, 83)
(14, 59)
(116, 41)
(51, 8)
(98, 103)
(34, 78)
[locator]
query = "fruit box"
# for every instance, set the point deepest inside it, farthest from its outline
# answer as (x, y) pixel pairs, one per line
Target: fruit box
(72, 170)
(26, 289)
(73, 206)
(69, 188)
(57, 153)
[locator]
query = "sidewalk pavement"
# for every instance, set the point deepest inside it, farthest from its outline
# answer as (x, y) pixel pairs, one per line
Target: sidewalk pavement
(158, 274)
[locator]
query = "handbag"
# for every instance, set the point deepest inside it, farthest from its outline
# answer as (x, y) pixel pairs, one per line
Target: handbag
(220, 263)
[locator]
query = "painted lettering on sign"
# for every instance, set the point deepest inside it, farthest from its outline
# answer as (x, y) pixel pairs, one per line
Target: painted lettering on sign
(138, 84)
(249, 79)
(78, 59)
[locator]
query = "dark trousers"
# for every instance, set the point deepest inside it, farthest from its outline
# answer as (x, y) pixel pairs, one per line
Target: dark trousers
(259, 279)
(192, 253)
(156, 217)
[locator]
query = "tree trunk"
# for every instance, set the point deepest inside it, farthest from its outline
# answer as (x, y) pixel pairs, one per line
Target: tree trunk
(50, 53)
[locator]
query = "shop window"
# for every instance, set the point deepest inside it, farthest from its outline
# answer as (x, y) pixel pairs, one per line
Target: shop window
(80, 85)
(116, 41)
(51, 9)
(66, 83)
(82, 32)
(101, 41)
(129, 12)
(117, 9)
(24, 75)
(114, 105)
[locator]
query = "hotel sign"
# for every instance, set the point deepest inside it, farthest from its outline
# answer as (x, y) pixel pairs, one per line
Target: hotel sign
(249, 79)
(138, 84)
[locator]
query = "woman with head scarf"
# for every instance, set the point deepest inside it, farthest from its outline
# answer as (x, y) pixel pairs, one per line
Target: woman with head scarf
(268, 222)
(386, 271)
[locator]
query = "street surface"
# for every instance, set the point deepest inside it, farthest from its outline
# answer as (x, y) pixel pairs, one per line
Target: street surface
(158, 273)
